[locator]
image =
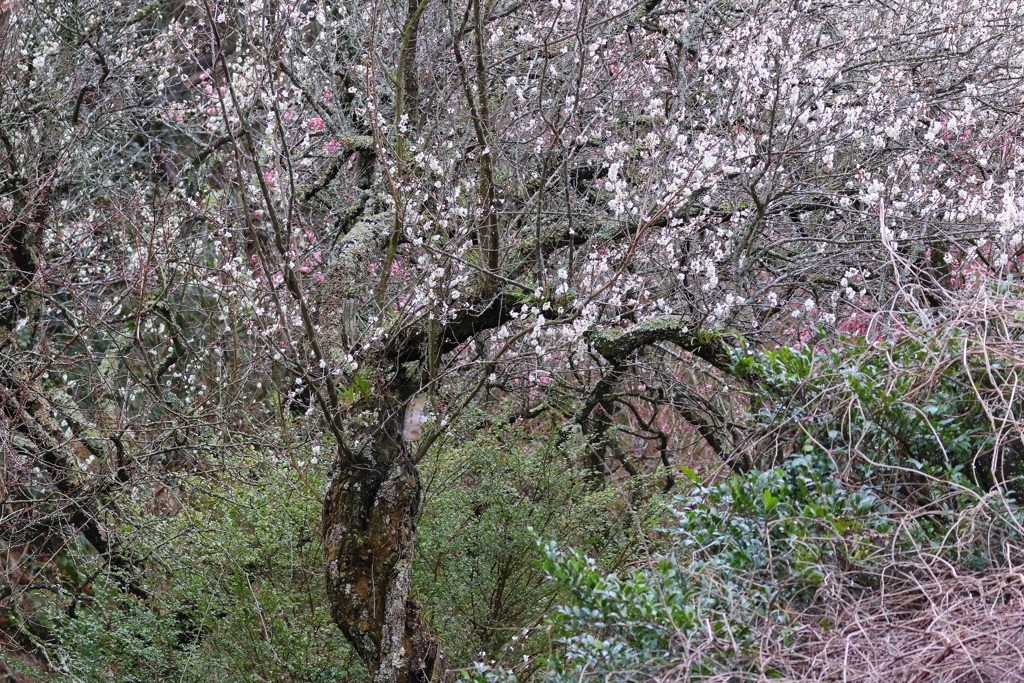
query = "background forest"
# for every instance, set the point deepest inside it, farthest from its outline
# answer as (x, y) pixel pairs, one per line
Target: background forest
(511, 340)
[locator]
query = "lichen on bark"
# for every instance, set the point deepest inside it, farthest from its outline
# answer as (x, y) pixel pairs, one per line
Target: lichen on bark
(369, 519)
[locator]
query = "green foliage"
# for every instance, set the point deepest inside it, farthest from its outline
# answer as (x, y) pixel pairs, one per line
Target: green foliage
(745, 560)
(743, 553)
(236, 591)
(881, 480)
(357, 389)
(487, 500)
(923, 399)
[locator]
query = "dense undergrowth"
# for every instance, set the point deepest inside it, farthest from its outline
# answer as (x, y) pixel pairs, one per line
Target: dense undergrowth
(887, 487)
(893, 469)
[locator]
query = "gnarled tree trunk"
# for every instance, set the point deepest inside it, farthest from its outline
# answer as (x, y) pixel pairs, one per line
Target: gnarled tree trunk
(369, 528)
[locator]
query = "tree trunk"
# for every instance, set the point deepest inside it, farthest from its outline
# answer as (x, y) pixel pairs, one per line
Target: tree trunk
(369, 529)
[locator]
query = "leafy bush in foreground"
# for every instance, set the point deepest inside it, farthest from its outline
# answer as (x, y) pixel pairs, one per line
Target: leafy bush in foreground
(487, 501)
(895, 478)
(235, 591)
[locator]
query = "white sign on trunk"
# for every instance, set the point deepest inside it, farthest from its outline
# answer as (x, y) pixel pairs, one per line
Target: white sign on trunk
(414, 419)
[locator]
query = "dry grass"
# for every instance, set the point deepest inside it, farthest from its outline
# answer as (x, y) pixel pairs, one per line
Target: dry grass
(963, 629)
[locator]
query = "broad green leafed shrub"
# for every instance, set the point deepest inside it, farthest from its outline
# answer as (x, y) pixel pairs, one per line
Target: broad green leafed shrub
(885, 477)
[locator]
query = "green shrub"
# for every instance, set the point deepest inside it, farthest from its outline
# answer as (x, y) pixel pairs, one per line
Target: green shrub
(487, 499)
(931, 399)
(882, 476)
(236, 590)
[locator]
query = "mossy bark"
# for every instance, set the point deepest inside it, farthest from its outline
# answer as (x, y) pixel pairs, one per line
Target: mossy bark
(369, 528)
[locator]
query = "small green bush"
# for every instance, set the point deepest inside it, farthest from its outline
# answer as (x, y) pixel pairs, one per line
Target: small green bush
(236, 590)
(929, 399)
(487, 500)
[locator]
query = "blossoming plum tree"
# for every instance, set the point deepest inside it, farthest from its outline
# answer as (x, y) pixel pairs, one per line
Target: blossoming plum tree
(574, 206)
